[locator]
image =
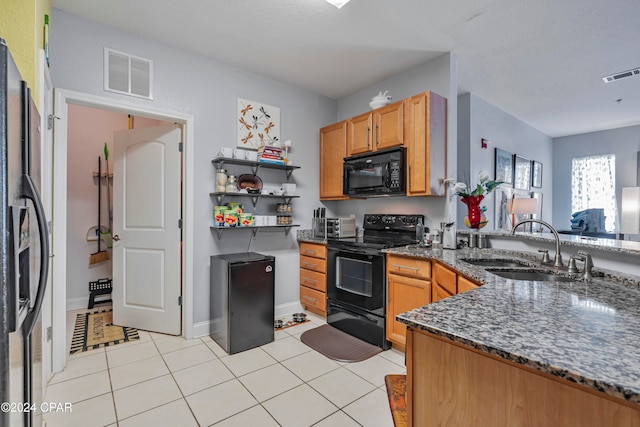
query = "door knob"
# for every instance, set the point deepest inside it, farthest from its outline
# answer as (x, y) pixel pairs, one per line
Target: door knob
(116, 237)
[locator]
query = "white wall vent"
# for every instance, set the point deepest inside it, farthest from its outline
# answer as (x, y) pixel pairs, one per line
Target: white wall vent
(622, 75)
(128, 74)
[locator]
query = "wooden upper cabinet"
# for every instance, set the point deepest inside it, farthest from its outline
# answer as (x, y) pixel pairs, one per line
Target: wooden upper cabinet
(359, 131)
(426, 144)
(333, 147)
(389, 126)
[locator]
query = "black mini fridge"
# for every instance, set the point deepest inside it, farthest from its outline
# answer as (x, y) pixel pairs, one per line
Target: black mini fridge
(242, 300)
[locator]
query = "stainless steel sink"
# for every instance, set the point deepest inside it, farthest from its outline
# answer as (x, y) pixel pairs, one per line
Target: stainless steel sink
(495, 262)
(530, 275)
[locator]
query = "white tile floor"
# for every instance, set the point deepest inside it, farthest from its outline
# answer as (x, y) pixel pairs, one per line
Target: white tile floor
(163, 380)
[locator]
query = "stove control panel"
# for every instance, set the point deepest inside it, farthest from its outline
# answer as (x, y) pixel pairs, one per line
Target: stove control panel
(392, 222)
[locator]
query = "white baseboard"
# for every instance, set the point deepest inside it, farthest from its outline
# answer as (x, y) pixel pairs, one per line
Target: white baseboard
(202, 329)
(77, 303)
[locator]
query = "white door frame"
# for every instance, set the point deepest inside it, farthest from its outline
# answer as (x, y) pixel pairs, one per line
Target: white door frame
(63, 97)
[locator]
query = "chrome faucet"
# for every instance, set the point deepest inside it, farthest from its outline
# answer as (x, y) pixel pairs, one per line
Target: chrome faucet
(557, 261)
(588, 264)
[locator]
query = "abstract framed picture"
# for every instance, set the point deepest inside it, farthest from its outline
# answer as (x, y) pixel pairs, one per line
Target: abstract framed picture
(521, 173)
(258, 124)
(536, 174)
(503, 166)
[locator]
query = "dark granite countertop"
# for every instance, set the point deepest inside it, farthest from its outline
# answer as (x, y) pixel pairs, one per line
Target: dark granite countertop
(585, 332)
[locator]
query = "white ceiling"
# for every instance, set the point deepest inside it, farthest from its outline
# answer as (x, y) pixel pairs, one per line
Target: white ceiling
(540, 60)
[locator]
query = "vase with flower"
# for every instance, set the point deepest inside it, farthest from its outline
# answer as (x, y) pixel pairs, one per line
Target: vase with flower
(476, 217)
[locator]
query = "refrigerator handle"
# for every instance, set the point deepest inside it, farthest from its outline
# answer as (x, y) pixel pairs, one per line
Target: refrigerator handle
(29, 191)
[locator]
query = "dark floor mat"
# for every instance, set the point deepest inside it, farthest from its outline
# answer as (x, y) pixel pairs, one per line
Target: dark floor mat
(338, 345)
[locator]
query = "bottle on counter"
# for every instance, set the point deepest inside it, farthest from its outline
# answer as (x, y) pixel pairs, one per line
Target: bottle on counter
(221, 180)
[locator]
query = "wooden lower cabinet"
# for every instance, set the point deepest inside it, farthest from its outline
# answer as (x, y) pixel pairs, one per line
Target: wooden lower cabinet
(313, 277)
(408, 287)
(444, 282)
(438, 293)
(465, 284)
(450, 384)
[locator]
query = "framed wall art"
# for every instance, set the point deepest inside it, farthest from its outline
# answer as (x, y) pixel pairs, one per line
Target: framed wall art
(536, 174)
(521, 173)
(503, 166)
(258, 124)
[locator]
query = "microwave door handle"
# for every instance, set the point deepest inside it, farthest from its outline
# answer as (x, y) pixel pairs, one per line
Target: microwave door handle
(387, 176)
(29, 192)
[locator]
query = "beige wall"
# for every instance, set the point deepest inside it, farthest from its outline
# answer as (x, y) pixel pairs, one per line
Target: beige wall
(22, 27)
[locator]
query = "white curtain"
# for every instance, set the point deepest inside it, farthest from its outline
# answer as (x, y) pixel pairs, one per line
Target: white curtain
(593, 185)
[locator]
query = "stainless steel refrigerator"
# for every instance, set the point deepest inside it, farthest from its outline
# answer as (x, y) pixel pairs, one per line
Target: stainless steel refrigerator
(24, 251)
(242, 300)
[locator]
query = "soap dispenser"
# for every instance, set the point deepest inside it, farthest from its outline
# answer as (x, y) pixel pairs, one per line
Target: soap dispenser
(449, 235)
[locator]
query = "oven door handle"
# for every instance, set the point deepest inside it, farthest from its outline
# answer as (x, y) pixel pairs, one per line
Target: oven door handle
(352, 250)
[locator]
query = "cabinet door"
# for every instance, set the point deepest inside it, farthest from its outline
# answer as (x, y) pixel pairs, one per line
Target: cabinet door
(465, 284)
(404, 294)
(439, 293)
(389, 126)
(313, 300)
(426, 145)
(359, 138)
(333, 143)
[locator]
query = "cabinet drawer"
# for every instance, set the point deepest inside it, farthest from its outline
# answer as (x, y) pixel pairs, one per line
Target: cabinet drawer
(315, 264)
(409, 266)
(445, 278)
(312, 298)
(313, 279)
(313, 250)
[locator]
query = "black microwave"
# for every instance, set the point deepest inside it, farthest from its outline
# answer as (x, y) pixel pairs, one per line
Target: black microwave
(375, 174)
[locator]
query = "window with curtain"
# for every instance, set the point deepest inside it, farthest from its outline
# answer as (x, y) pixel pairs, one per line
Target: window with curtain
(593, 185)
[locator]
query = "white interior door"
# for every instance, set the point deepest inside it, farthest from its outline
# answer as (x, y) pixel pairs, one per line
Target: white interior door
(146, 231)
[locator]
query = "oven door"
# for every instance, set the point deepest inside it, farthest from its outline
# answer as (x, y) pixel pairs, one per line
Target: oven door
(356, 277)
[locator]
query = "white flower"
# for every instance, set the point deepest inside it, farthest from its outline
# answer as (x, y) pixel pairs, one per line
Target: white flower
(483, 176)
(460, 187)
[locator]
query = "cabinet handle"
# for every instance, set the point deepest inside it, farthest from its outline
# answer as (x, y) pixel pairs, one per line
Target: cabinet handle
(310, 251)
(313, 300)
(307, 280)
(308, 264)
(406, 267)
(409, 175)
(367, 137)
(377, 142)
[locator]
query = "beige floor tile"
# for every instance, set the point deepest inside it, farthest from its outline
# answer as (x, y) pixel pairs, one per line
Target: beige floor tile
(374, 369)
(301, 406)
(279, 334)
(285, 348)
(128, 354)
(219, 402)
(341, 387)
(173, 414)
(248, 361)
(339, 419)
(170, 343)
(269, 382)
(217, 350)
(147, 395)
(82, 366)
(310, 365)
(82, 354)
(252, 417)
(371, 410)
(202, 376)
(137, 372)
(190, 356)
(394, 356)
(97, 411)
(78, 389)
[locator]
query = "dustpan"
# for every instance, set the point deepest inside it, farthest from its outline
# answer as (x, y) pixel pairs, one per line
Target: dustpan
(101, 255)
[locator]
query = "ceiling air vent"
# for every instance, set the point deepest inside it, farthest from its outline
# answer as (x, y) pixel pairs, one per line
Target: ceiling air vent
(622, 75)
(127, 74)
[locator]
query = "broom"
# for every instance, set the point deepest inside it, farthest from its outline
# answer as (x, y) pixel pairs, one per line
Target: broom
(99, 256)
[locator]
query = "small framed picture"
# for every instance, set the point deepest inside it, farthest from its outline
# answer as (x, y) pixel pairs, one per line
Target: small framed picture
(536, 174)
(504, 166)
(521, 173)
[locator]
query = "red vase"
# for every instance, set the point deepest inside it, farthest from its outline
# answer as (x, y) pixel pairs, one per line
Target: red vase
(475, 218)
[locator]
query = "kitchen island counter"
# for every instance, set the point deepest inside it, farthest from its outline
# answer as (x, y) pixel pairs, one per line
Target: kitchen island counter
(584, 332)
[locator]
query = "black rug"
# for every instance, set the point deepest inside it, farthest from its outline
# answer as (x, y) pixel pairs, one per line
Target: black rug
(338, 345)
